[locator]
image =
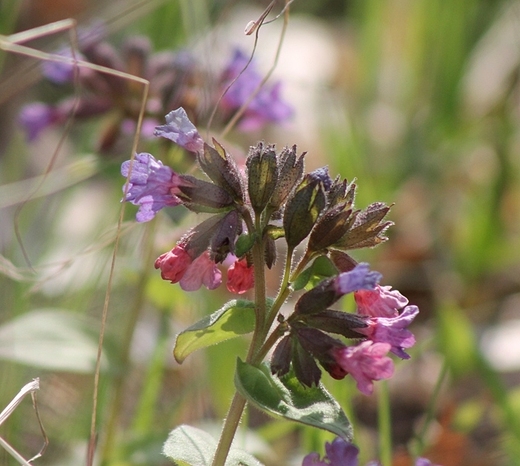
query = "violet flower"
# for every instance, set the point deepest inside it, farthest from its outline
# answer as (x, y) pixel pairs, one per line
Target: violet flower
(267, 106)
(382, 301)
(392, 330)
(37, 116)
(359, 278)
(181, 131)
(151, 186)
(365, 362)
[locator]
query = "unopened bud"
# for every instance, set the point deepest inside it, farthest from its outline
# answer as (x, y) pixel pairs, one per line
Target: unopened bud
(262, 171)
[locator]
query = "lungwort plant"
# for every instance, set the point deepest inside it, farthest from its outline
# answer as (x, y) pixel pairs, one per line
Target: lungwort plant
(254, 215)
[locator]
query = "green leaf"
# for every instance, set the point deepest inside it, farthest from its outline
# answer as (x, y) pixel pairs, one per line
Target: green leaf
(288, 398)
(236, 317)
(321, 268)
(189, 446)
(52, 339)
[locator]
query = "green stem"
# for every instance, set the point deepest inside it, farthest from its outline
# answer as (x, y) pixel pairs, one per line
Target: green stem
(384, 424)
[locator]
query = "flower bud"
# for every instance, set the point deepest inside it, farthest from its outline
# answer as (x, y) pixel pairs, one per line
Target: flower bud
(304, 207)
(221, 169)
(223, 240)
(330, 227)
(201, 196)
(262, 171)
(290, 171)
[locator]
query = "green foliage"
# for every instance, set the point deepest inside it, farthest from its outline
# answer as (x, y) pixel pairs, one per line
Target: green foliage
(189, 446)
(288, 398)
(235, 318)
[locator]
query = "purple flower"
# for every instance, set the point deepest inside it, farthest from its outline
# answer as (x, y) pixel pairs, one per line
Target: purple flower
(37, 116)
(267, 106)
(359, 278)
(60, 72)
(181, 130)
(338, 453)
(202, 271)
(365, 362)
(151, 185)
(382, 301)
(392, 330)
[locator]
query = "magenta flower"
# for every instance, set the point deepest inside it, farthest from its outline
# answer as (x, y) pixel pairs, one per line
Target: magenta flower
(365, 362)
(359, 278)
(36, 117)
(267, 106)
(392, 330)
(202, 271)
(152, 185)
(173, 264)
(382, 301)
(240, 277)
(181, 131)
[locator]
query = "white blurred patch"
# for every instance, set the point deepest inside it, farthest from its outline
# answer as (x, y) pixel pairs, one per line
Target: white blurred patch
(501, 346)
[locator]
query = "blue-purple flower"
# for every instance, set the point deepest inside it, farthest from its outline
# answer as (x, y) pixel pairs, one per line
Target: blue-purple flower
(343, 453)
(181, 131)
(266, 107)
(360, 278)
(393, 330)
(37, 116)
(151, 186)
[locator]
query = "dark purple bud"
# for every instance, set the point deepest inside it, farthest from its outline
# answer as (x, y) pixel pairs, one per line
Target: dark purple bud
(341, 323)
(330, 227)
(198, 239)
(202, 196)
(305, 368)
(304, 207)
(281, 358)
(223, 240)
(342, 261)
(262, 175)
(181, 131)
(368, 229)
(341, 192)
(221, 169)
(270, 252)
(136, 50)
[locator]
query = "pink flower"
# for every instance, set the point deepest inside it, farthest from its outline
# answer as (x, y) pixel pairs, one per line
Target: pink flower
(382, 301)
(392, 330)
(240, 277)
(173, 264)
(202, 271)
(365, 362)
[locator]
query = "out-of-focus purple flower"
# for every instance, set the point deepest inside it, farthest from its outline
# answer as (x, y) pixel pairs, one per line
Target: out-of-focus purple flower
(359, 278)
(392, 330)
(424, 462)
(338, 453)
(240, 277)
(382, 301)
(365, 362)
(202, 271)
(151, 186)
(173, 264)
(60, 72)
(181, 130)
(267, 106)
(37, 116)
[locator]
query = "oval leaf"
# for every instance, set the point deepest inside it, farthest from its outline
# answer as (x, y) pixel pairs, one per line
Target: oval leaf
(288, 398)
(52, 339)
(189, 446)
(236, 317)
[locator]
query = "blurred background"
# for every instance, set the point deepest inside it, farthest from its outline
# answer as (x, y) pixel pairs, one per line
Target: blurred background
(418, 100)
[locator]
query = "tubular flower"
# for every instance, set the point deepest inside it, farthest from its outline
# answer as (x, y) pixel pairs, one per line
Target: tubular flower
(181, 131)
(365, 362)
(382, 301)
(240, 277)
(392, 330)
(202, 271)
(151, 185)
(173, 264)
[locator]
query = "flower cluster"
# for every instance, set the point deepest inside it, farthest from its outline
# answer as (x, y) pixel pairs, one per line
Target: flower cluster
(176, 80)
(343, 453)
(271, 200)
